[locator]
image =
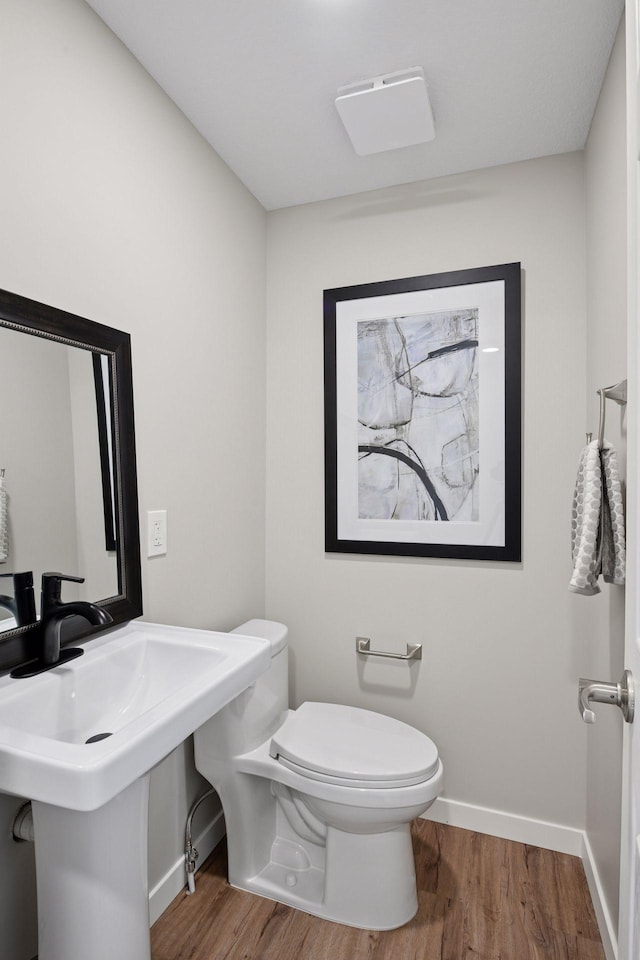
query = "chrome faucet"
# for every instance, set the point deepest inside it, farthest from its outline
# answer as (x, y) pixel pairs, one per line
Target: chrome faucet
(53, 610)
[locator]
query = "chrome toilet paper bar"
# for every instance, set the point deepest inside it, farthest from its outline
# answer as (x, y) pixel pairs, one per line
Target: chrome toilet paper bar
(363, 647)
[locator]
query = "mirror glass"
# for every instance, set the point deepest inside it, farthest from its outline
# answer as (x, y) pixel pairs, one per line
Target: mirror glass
(68, 456)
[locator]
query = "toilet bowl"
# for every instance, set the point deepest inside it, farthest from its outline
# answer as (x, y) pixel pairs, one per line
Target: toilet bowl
(318, 801)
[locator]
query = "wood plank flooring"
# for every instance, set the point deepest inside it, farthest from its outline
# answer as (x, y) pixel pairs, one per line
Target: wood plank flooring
(480, 898)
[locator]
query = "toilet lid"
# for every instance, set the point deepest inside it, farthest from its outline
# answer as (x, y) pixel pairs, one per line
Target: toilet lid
(332, 740)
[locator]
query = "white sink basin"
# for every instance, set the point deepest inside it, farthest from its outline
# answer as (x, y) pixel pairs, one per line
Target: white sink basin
(148, 686)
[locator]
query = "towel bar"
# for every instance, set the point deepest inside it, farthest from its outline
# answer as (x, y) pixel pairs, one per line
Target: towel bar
(363, 647)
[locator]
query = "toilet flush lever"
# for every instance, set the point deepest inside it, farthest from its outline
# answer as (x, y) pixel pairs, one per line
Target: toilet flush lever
(620, 694)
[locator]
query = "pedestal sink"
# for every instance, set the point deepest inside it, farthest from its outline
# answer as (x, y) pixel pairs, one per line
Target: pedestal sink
(136, 694)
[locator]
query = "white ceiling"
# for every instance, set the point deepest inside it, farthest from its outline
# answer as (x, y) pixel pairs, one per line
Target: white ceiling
(508, 80)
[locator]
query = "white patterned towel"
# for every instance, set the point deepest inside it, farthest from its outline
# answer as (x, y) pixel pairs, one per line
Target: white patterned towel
(4, 523)
(614, 550)
(597, 522)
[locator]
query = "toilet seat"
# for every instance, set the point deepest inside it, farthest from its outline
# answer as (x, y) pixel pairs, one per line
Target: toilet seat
(351, 747)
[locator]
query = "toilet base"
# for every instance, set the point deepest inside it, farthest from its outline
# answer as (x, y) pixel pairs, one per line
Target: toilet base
(368, 881)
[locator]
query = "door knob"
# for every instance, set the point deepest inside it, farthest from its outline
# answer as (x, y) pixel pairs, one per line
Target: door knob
(620, 694)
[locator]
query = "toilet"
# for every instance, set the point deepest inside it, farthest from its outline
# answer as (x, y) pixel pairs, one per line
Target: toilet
(318, 801)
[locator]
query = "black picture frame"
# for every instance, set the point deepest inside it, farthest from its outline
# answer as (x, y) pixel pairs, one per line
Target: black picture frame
(409, 344)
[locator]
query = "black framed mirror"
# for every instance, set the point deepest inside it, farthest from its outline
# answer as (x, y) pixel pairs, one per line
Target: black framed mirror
(67, 449)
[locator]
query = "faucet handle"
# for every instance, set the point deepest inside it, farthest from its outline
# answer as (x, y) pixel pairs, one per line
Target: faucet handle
(63, 576)
(52, 586)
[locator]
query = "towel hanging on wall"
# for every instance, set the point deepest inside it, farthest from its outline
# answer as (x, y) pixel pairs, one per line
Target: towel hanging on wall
(4, 521)
(597, 522)
(614, 550)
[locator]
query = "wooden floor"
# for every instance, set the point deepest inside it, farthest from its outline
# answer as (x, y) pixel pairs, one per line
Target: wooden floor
(479, 897)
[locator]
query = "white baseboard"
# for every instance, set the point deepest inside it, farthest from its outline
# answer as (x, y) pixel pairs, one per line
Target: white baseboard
(603, 916)
(508, 826)
(174, 880)
(538, 833)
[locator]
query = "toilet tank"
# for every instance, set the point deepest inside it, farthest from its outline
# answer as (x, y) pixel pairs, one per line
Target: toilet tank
(255, 714)
(264, 707)
(275, 633)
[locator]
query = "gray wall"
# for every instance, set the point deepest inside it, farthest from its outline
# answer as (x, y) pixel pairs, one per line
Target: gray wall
(600, 619)
(115, 209)
(497, 686)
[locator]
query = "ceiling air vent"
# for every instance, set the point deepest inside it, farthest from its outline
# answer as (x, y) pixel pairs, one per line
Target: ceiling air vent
(387, 112)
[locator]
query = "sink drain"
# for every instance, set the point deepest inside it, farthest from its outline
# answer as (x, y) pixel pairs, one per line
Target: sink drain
(98, 736)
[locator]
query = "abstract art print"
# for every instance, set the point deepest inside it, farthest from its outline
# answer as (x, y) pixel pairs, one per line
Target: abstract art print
(422, 407)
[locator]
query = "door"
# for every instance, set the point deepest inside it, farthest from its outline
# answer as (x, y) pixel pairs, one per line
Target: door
(629, 925)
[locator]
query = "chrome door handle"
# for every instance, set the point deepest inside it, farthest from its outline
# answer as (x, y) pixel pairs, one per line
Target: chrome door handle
(620, 694)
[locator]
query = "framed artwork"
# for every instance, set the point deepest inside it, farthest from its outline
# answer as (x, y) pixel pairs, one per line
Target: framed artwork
(422, 416)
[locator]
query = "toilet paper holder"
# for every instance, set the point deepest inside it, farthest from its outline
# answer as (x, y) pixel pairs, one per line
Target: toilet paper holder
(363, 647)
